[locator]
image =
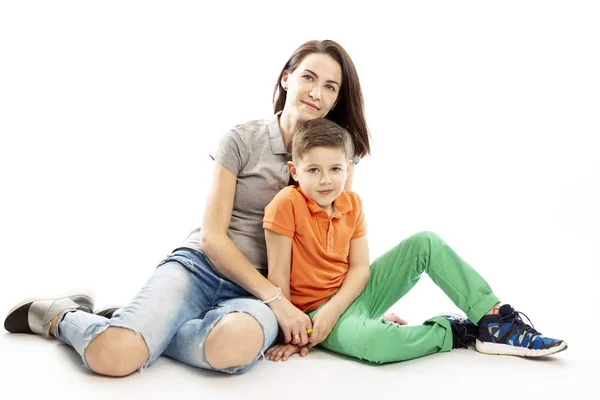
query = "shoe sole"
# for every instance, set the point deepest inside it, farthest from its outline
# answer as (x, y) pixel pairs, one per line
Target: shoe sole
(508, 350)
(107, 307)
(452, 314)
(80, 292)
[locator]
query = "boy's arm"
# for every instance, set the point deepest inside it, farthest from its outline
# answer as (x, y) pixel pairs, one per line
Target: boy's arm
(279, 257)
(357, 277)
(354, 283)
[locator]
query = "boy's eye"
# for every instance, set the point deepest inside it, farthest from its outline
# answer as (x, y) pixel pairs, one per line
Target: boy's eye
(313, 170)
(336, 169)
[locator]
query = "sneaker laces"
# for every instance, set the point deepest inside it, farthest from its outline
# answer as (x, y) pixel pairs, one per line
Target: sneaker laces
(515, 319)
(461, 336)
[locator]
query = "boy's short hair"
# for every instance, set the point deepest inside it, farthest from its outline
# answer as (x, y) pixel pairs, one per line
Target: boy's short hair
(320, 132)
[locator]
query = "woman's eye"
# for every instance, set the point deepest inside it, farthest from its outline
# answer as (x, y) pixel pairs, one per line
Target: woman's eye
(330, 87)
(308, 77)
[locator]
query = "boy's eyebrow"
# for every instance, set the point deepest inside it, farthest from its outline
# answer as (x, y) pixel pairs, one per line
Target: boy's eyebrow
(318, 165)
(328, 81)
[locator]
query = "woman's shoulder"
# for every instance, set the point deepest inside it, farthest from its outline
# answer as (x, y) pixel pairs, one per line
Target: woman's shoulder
(251, 128)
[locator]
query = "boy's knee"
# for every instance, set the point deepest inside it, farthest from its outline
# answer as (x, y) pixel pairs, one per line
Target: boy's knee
(234, 341)
(116, 352)
(424, 239)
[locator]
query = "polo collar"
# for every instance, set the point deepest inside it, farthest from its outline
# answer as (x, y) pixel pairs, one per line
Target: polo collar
(277, 146)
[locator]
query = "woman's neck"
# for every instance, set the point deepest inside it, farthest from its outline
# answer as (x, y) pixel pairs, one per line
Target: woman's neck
(287, 126)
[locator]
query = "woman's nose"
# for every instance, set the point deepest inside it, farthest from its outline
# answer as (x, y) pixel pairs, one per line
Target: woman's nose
(315, 93)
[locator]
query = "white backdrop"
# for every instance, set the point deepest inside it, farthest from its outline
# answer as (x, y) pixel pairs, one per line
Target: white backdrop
(484, 118)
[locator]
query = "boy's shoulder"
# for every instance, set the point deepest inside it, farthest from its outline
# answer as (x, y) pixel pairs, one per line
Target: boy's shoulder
(289, 194)
(352, 198)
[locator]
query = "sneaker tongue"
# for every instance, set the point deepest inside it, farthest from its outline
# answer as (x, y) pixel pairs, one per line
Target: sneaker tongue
(505, 310)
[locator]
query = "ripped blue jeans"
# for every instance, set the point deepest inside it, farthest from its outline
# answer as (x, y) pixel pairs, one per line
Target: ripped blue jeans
(174, 312)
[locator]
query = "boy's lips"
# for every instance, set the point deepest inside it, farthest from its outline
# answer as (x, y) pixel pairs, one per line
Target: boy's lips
(325, 192)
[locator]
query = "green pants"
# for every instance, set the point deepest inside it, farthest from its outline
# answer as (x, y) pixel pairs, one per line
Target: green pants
(362, 334)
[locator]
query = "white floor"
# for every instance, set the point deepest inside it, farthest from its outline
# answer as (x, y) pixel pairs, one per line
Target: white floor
(53, 370)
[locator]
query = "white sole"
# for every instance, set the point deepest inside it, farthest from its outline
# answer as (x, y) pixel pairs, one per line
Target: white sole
(508, 350)
(80, 292)
(106, 307)
(452, 314)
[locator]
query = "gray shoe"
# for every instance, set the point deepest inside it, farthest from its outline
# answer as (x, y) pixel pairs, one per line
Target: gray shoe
(35, 314)
(109, 311)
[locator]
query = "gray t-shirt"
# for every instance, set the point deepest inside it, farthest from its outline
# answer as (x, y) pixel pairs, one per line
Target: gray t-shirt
(254, 152)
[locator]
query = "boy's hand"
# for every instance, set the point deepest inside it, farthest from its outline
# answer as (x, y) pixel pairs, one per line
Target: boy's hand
(393, 318)
(284, 351)
(323, 323)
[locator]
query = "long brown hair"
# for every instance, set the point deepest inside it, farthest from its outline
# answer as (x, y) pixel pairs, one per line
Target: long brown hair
(349, 112)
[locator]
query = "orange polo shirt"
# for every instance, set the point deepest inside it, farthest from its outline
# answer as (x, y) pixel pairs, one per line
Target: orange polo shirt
(320, 243)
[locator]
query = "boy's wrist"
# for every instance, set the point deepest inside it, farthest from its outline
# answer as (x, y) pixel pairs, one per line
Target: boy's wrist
(335, 306)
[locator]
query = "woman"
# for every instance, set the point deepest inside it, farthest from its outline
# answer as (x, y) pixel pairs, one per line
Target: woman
(209, 303)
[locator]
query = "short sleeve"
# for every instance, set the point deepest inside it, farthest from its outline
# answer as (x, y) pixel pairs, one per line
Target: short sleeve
(279, 214)
(353, 156)
(361, 226)
(231, 152)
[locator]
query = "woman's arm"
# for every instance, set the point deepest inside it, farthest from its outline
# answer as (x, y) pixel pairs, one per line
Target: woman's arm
(279, 255)
(215, 243)
(231, 263)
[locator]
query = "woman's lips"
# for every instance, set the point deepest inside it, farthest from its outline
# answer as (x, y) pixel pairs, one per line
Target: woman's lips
(311, 106)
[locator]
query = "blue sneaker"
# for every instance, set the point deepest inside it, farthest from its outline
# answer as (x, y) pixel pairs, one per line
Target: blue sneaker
(506, 333)
(464, 332)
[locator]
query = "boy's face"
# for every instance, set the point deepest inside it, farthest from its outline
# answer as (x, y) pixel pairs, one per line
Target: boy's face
(321, 173)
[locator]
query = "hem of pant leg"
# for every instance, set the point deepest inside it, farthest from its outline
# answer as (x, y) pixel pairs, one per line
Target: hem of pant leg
(447, 345)
(480, 309)
(61, 319)
(473, 310)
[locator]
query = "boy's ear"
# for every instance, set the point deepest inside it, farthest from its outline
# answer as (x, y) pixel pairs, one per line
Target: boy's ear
(347, 172)
(292, 169)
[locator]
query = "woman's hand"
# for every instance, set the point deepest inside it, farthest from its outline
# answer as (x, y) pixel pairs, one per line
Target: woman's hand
(284, 351)
(393, 318)
(323, 323)
(292, 322)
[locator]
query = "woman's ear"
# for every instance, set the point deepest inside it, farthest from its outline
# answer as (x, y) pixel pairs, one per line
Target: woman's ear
(284, 80)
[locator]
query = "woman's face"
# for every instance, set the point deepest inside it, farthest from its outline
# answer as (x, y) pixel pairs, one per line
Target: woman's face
(313, 87)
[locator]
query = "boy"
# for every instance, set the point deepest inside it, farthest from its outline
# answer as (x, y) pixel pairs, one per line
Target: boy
(318, 255)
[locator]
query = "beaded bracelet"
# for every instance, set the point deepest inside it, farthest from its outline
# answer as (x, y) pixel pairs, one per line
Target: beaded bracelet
(274, 298)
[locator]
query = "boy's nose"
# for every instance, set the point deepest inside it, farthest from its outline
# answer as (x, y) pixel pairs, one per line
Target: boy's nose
(325, 179)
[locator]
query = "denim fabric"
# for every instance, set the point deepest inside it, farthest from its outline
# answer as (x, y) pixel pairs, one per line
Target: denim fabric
(175, 311)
